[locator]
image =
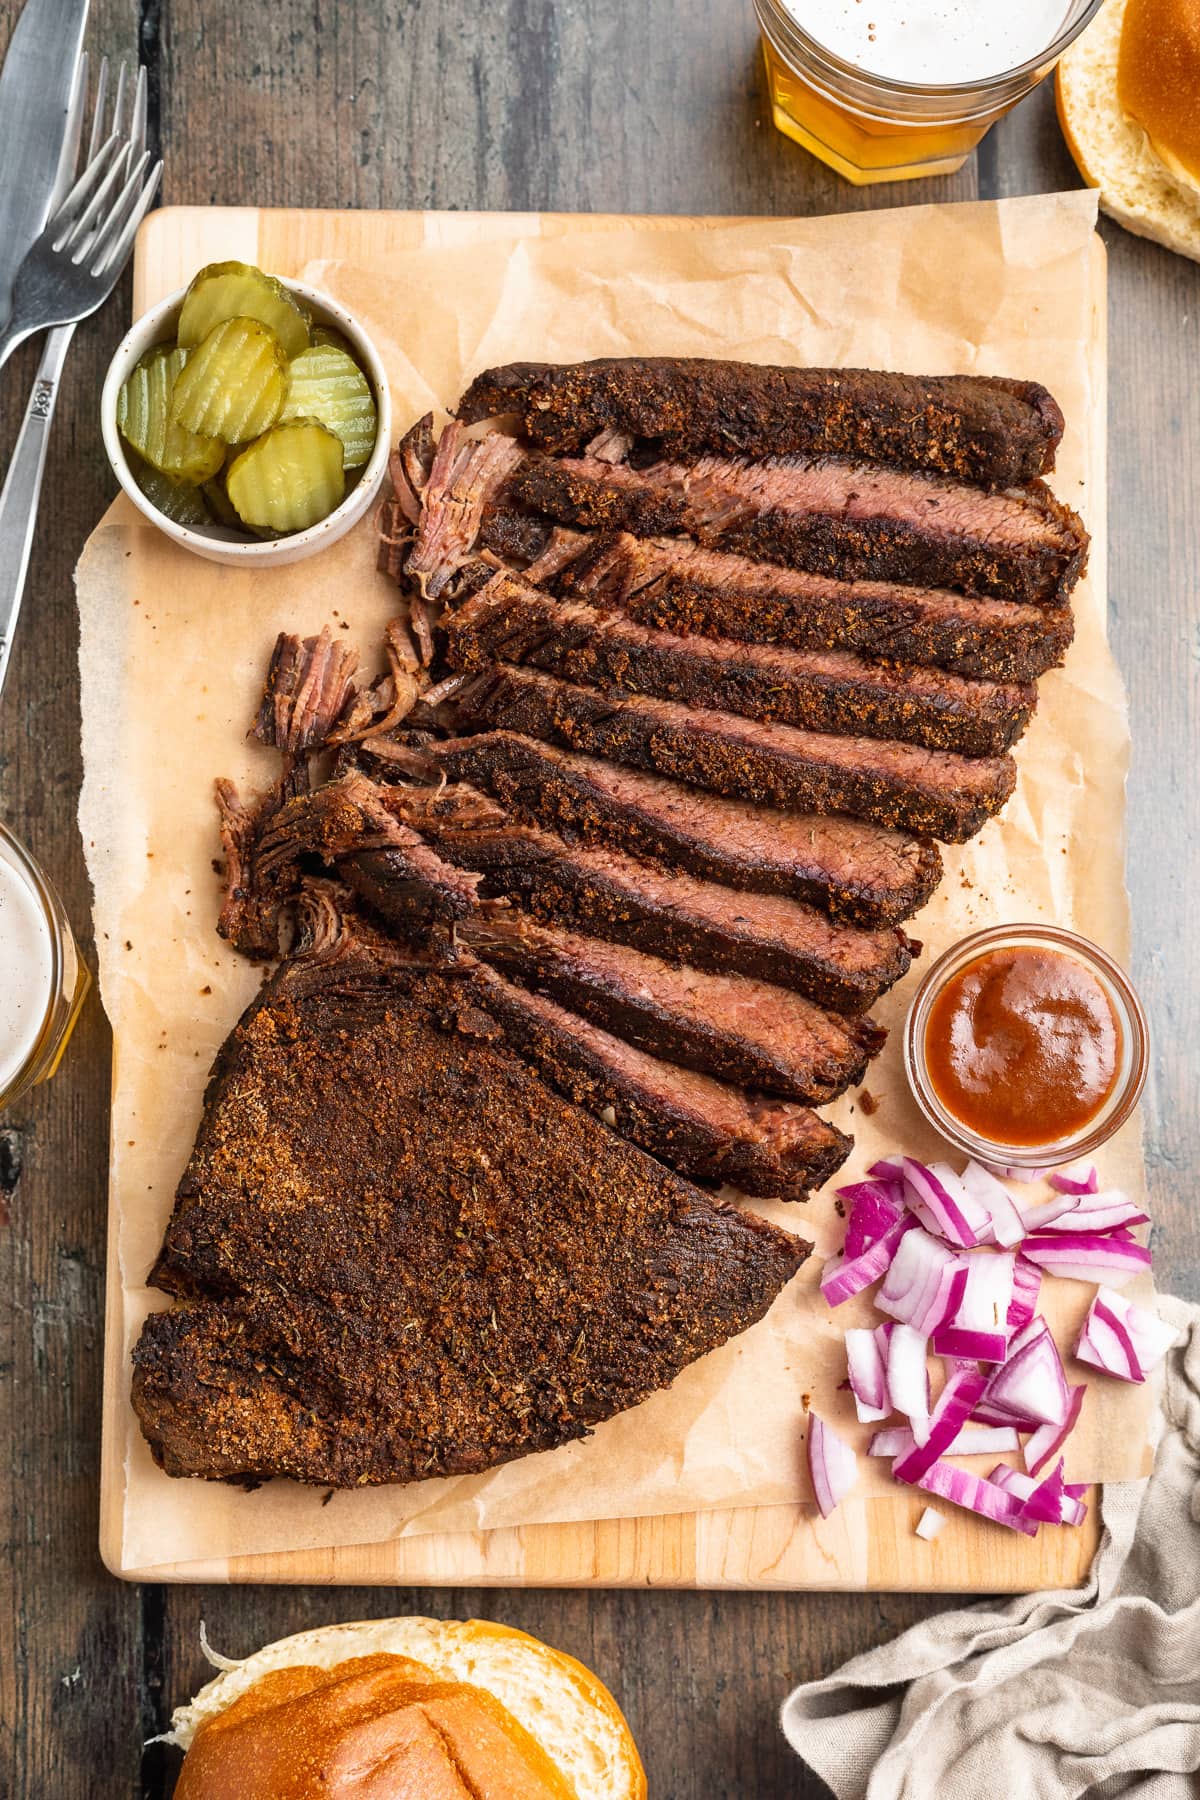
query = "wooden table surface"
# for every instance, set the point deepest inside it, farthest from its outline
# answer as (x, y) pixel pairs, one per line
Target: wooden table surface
(594, 105)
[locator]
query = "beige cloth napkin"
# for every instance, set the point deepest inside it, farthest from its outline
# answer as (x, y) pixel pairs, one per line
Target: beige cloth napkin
(1095, 1691)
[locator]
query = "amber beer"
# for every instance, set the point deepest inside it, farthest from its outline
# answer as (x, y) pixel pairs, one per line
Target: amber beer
(886, 90)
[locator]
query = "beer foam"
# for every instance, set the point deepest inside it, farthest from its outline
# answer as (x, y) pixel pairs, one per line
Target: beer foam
(932, 42)
(26, 968)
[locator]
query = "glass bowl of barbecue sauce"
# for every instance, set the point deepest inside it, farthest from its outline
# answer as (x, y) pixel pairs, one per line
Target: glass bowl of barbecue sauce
(1026, 1046)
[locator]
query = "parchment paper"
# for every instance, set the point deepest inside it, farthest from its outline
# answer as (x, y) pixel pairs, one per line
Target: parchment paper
(173, 652)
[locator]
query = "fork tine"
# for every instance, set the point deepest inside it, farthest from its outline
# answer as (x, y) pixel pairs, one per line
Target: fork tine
(64, 219)
(116, 258)
(81, 236)
(97, 137)
(108, 232)
(137, 123)
(119, 103)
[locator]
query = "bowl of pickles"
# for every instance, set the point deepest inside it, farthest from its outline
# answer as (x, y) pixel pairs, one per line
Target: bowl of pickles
(248, 417)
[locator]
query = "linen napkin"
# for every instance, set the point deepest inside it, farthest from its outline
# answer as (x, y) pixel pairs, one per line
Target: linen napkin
(1093, 1691)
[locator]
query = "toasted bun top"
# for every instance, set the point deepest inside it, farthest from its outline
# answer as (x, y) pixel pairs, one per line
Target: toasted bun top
(394, 1708)
(1158, 80)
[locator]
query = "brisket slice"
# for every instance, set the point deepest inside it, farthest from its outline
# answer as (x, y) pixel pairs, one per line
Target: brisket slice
(855, 870)
(677, 916)
(831, 518)
(929, 792)
(832, 691)
(697, 1126)
(977, 427)
(410, 1258)
(675, 585)
(729, 1026)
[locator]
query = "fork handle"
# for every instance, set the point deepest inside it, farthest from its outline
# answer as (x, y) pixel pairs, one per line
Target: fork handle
(23, 486)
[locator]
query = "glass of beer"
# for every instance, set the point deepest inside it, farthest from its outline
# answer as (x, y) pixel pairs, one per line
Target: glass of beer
(886, 90)
(43, 978)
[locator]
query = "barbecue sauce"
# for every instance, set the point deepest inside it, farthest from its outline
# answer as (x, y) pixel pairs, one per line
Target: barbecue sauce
(1023, 1046)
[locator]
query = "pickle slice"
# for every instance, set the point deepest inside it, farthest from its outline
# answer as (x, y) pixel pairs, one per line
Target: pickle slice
(330, 336)
(327, 385)
(233, 384)
(176, 500)
(144, 421)
(234, 290)
(288, 480)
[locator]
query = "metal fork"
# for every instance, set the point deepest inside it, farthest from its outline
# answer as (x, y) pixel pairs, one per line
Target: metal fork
(69, 273)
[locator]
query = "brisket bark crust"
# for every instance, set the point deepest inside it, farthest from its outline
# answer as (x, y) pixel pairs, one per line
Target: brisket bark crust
(930, 792)
(410, 1258)
(854, 870)
(836, 519)
(832, 691)
(977, 427)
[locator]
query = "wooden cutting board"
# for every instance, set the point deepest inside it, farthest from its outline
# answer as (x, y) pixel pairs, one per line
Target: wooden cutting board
(869, 1543)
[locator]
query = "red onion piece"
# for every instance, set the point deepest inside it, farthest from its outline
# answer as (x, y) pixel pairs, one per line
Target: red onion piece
(924, 1284)
(1111, 1259)
(1082, 1178)
(953, 1408)
(1032, 1382)
(964, 1489)
(832, 1465)
(1106, 1342)
(888, 1168)
(908, 1378)
(1027, 1285)
(841, 1279)
(934, 1204)
(867, 1368)
(970, 1440)
(1047, 1440)
(1071, 1509)
(874, 1206)
(979, 1327)
(1007, 1226)
(1036, 1218)
(930, 1524)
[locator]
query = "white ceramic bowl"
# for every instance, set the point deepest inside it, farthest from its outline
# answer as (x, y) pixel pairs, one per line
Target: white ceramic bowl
(215, 542)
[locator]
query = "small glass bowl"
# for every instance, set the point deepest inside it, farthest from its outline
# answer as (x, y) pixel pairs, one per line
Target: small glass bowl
(67, 978)
(1127, 1009)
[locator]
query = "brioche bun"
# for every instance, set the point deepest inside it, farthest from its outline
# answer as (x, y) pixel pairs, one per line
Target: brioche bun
(1123, 155)
(482, 1705)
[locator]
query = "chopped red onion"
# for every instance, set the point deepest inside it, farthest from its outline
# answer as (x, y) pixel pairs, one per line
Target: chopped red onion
(977, 1216)
(908, 1378)
(1071, 1509)
(930, 1524)
(964, 1489)
(888, 1168)
(924, 1284)
(982, 1186)
(1047, 1440)
(841, 1279)
(1032, 1383)
(1118, 1216)
(935, 1205)
(1123, 1339)
(953, 1408)
(1080, 1178)
(1088, 1258)
(979, 1327)
(970, 1440)
(1027, 1285)
(832, 1465)
(1036, 1218)
(874, 1206)
(866, 1364)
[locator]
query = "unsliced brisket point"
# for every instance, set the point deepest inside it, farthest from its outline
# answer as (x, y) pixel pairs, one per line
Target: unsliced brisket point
(698, 1126)
(729, 1026)
(832, 691)
(926, 791)
(678, 586)
(411, 1258)
(855, 522)
(978, 427)
(677, 916)
(855, 870)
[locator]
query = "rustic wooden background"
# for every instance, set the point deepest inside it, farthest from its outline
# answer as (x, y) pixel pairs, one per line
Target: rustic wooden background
(608, 105)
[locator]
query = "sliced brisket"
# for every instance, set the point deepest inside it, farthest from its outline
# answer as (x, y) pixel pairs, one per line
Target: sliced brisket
(729, 1026)
(698, 1126)
(837, 519)
(977, 427)
(407, 1257)
(831, 691)
(612, 895)
(855, 870)
(930, 792)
